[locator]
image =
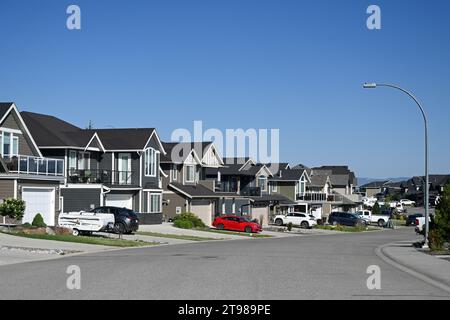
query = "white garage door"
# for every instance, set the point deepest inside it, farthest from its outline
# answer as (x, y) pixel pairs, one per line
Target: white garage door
(119, 200)
(204, 212)
(39, 200)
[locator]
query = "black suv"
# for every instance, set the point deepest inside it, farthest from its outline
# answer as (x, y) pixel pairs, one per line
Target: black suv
(126, 220)
(346, 219)
(412, 219)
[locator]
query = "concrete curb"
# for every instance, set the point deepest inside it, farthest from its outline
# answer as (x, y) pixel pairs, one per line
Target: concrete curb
(401, 265)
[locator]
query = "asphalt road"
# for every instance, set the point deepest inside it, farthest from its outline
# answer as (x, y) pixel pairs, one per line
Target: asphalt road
(303, 267)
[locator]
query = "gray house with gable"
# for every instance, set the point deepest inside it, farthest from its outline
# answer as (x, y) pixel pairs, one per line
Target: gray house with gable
(104, 167)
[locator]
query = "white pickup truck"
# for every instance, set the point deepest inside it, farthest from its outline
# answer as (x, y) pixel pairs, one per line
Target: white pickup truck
(420, 224)
(367, 215)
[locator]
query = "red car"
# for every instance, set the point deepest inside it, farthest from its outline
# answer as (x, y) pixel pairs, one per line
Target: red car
(236, 223)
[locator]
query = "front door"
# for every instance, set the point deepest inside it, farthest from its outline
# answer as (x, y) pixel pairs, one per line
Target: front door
(124, 168)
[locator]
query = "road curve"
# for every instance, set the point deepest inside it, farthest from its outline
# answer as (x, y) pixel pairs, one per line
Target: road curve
(303, 267)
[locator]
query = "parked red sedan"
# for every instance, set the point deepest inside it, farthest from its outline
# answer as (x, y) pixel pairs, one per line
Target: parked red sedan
(236, 223)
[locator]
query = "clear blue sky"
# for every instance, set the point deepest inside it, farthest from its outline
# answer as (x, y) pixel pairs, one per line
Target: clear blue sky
(293, 65)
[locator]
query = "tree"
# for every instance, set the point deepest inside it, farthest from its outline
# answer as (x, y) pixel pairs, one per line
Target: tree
(376, 209)
(441, 224)
(13, 208)
(38, 221)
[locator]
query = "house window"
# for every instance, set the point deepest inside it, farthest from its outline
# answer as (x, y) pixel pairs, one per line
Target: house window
(262, 183)
(84, 161)
(9, 145)
(72, 160)
(302, 185)
(190, 173)
(150, 162)
(174, 172)
(274, 186)
(155, 203)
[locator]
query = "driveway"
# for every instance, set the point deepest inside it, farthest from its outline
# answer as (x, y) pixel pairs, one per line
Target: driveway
(302, 267)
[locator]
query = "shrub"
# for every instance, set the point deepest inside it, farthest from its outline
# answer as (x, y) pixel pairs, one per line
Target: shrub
(38, 221)
(183, 224)
(436, 240)
(188, 216)
(440, 223)
(13, 208)
(376, 209)
(289, 226)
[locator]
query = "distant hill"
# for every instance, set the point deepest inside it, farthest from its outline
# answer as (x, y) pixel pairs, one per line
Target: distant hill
(363, 181)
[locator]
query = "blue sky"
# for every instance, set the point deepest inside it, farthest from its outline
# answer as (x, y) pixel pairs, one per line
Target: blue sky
(293, 65)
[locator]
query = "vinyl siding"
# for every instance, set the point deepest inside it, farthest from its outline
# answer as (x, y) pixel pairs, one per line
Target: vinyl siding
(6, 189)
(175, 200)
(286, 189)
(25, 144)
(76, 199)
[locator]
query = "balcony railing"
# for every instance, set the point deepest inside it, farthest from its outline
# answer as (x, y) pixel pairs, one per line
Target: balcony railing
(226, 187)
(319, 197)
(35, 166)
(112, 177)
(251, 192)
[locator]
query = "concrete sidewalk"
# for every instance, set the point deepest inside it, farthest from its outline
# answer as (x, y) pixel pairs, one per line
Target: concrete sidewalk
(430, 269)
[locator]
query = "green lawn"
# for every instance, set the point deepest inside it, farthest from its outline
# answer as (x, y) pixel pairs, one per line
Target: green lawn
(97, 240)
(176, 236)
(243, 234)
(345, 228)
(399, 223)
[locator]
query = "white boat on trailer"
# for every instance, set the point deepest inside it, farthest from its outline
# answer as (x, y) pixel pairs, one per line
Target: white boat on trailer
(83, 222)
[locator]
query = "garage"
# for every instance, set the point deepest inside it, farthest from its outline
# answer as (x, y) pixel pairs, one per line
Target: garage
(39, 200)
(203, 210)
(259, 213)
(119, 200)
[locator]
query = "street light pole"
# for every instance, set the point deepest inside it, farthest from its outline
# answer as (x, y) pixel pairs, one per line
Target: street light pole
(427, 184)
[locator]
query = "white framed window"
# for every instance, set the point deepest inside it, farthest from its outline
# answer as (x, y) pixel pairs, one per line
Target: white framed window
(174, 173)
(262, 183)
(84, 160)
(274, 186)
(72, 159)
(302, 185)
(150, 161)
(15, 146)
(190, 173)
(9, 144)
(155, 203)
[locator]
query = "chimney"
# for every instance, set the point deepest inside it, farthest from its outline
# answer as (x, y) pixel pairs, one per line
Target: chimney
(281, 173)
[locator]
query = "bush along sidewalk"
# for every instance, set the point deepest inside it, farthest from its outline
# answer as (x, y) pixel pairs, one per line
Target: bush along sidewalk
(439, 236)
(188, 220)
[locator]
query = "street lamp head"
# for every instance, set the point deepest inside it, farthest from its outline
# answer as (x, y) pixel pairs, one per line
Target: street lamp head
(369, 85)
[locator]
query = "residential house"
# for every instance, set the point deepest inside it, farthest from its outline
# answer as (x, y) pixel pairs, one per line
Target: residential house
(374, 188)
(290, 183)
(249, 183)
(104, 167)
(25, 173)
(185, 189)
